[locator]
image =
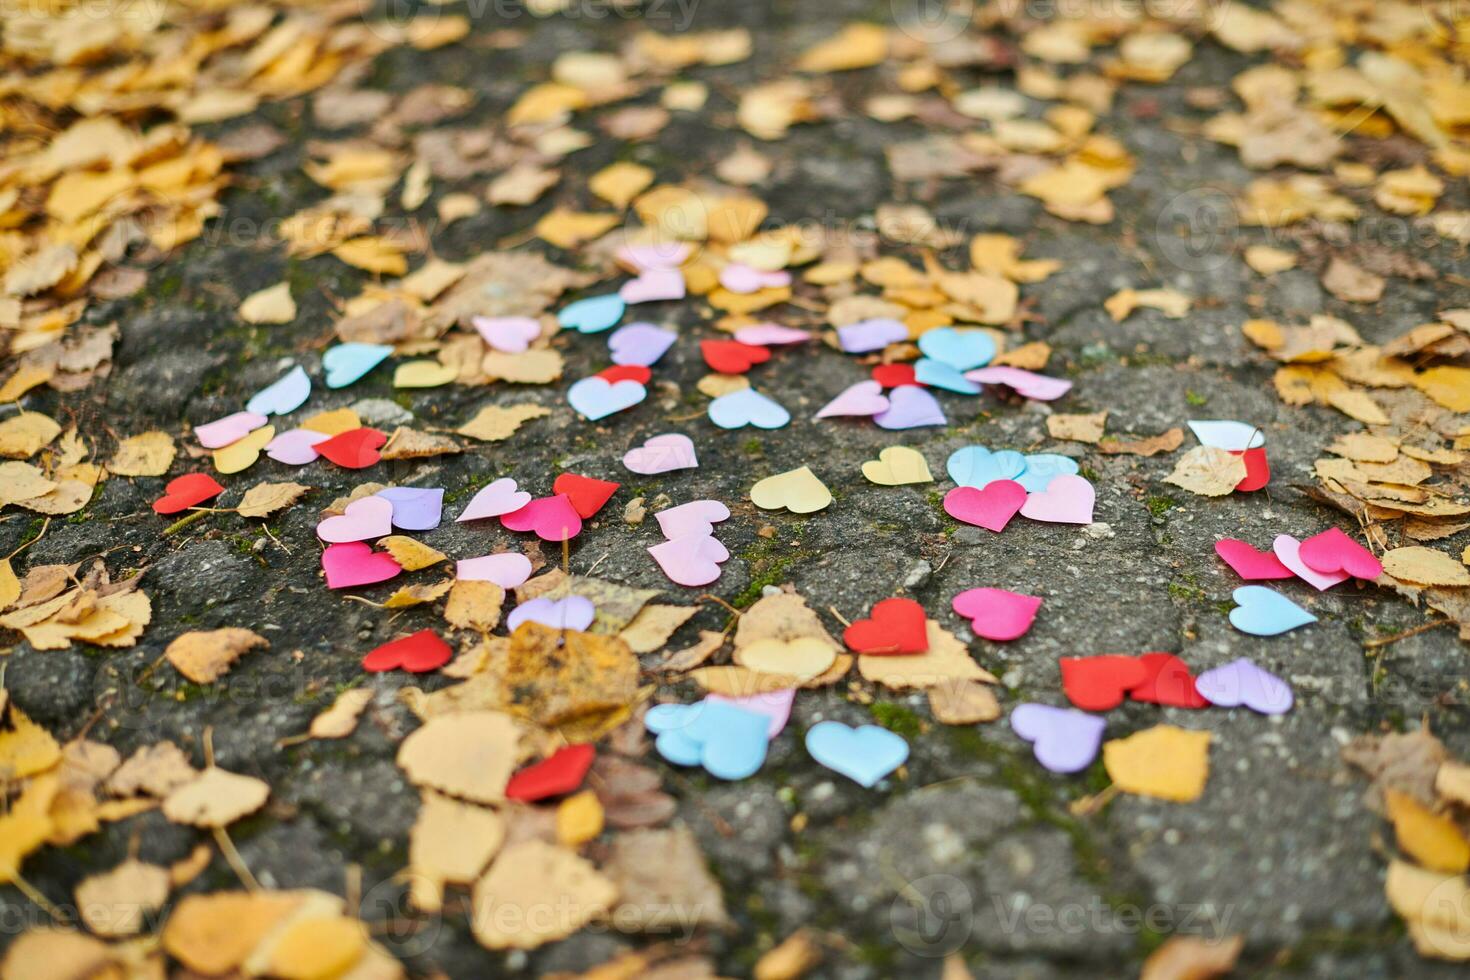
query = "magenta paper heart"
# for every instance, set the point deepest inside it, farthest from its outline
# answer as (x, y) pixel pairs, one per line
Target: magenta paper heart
(495, 499)
(231, 428)
(511, 334)
(695, 517)
(1027, 384)
(640, 344)
(661, 255)
(740, 278)
(294, 446)
(1063, 739)
(771, 335)
(996, 614)
(508, 569)
(991, 507)
(864, 399)
(1333, 551)
(574, 612)
(1250, 564)
(660, 454)
(370, 517)
(1067, 499)
(652, 286)
(1241, 682)
(775, 705)
(871, 335)
(552, 518)
(1288, 549)
(355, 563)
(910, 408)
(691, 560)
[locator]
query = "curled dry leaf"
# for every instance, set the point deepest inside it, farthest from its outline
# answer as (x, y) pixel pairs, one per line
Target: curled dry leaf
(1077, 428)
(265, 499)
(25, 434)
(529, 878)
(206, 655)
(474, 605)
(1425, 566)
(946, 662)
(469, 755)
(119, 902)
(340, 720)
(451, 842)
(270, 305)
(963, 702)
(493, 423)
(653, 626)
(215, 798)
(410, 553)
(1208, 471)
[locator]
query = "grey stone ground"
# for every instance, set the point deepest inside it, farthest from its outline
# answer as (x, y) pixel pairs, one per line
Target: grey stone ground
(1279, 847)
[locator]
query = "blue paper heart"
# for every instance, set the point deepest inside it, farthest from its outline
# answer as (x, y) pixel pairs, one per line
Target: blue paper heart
(976, 466)
(961, 351)
(595, 398)
(864, 755)
(287, 394)
(593, 314)
(747, 407)
(937, 374)
(1042, 468)
(345, 363)
(730, 742)
(1260, 611)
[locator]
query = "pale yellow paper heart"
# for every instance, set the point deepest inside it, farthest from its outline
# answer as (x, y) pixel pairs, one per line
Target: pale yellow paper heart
(423, 374)
(241, 453)
(798, 491)
(896, 466)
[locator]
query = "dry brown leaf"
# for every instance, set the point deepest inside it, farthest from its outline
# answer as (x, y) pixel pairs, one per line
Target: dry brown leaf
(619, 183)
(406, 443)
(521, 185)
(474, 605)
(154, 770)
(469, 755)
(1425, 566)
(451, 842)
(965, 702)
(340, 720)
(270, 305)
(661, 876)
(265, 499)
(215, 798)
(1077, 428)
(946, 662)
(146, 454)
(27, 433)
(1185, 957)
(494, 423)
(531, 876)
(1351, 283)
(1165, 442)
(858, 45)
(1208, 471)
(119, 902)
(1170, 302)
(213, 934)
(653, 626)
(204, 656)
(410, 553)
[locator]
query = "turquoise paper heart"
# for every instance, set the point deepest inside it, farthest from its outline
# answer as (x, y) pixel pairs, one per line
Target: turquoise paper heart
(345, 363)
(1260, 611)
(864, 755)
(976, 466)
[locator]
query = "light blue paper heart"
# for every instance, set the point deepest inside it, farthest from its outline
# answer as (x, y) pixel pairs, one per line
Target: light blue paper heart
(345, 363)
(747, 407)
(593, 314)
(729, 741)
(865, 754)
(937, 374)
(1260, 611)
(976, 466)
(596, 398)
(1042, 468)
(287, 394)
(961, 351)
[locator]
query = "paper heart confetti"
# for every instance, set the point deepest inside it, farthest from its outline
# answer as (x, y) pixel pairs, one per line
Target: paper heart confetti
(242, 454)
(727, 740)
(1332, 551)
(731, 356)
(230, 429)
(991, 508)
(369, 517)
(653, 286)
(661, 454)
(864, 754)
(507, 569)
(976, 466)
(495, 499)
(798, 490)
(864, 399)
(1260, 611)
(897, 466)
(640, 344)
(573, 612)
(586, 494)
(743, 279)
(747, 407)
(626, 372)
(1227, 434)
(417, 653)
(296, 447)
(1167, 681)
(996, 614)
(1042, 468)
(691, 560)
(595, 398)
(189, 490)
(354, 449)
(346, 363)
(593, 314)
(415, 508)
(663, 254)
(355, 563)
(895, 375)
(1288, 551)
(695, 517)
(286, 395)
(1027, 384)
(1066, 500)
(871, 335)
(910, 408)
(771, 335)
(551, 518)
(962, 350)
(1257, 470)
(1063, 740)
(1241, 682)
(1250, 564)
(895, 626)
(510, 334)
(937, 374)
(558, 774)
(1100, 683)
(775, 705)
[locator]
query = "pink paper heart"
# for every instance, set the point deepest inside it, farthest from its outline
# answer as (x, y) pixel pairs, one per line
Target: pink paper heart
(1250, 564)
(294, 446)
(1288, 549)
(355, 563)
(660, 255)
(695, 517)
(495, 499)
(991, 508)
(551, 518)
(1027, 384)
(652, 286)
(771, 335)
(691, 560)
(508, 569)
(661, 454)
(739, 278)
(864, 399)
(231, 428)
(370, 517)
(1067, 499)
(510, 334)
(1333, 551)
(996, 614)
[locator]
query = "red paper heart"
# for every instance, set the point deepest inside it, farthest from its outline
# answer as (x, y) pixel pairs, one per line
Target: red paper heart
(586, 494)
(1257, 469)
(895, 626)
(626, 372)
(895, 375)
(731, 356)
(1099, 683)
(1250, 564)
(353, 449)
(416, 653)
(1168, 681)
(556, 775)
(189, 490)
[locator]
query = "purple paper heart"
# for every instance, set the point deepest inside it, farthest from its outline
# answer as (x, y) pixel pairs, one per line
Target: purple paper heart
(415, 508)
(864, 399)
(641, 344)
(1241, 682)
(871, 335)
(910, 408)
(571, 613)
(1064, 739)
